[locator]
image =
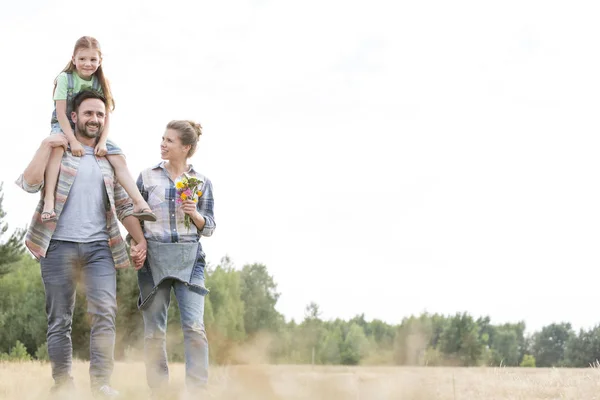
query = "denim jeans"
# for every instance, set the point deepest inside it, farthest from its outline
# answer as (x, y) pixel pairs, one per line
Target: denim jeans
(66, 265)
(191, 307)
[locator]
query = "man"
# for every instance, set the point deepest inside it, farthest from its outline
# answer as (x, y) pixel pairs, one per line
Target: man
(84, 242)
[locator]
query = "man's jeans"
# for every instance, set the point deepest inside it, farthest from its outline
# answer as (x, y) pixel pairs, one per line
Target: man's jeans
(91, 264)
(191, 307)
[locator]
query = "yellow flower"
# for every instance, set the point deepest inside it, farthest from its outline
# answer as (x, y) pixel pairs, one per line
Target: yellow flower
(179, 185)
(183, 196)
(199, 193)
(195, 200)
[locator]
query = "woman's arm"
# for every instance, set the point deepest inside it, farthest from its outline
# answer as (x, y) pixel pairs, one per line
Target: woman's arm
(201, 213)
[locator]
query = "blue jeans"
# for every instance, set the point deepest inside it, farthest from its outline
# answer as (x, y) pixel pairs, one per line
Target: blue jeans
(191, 307)
(91, 264)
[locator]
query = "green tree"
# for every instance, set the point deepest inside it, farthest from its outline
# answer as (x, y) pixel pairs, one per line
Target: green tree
(284, 349)
(259, 294)
(528, 361)
(549, 344)
(412, 339)
(507, 344)
(41, 353)
(583, 349)
(505, 347)
(381, 342)
(22, 304)
(329, 350)
(355, 345)
(225, 325)
(382, 333)
(129, 321)
(309, 335)
(460, 341)
(19, 353)
(312, 311)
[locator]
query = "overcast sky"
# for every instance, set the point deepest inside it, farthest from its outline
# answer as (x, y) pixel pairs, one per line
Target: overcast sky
(380, 157)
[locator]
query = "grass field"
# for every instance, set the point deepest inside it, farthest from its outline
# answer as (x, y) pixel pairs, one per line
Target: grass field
(28, 381)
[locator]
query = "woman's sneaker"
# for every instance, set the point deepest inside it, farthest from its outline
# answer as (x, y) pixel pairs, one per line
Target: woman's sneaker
(106, 392)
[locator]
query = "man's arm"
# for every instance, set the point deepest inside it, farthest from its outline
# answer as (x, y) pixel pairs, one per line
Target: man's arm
(138, 242)
(124, 208)
(33, 177)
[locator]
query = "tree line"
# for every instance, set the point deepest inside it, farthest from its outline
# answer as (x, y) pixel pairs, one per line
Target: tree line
(244, 326)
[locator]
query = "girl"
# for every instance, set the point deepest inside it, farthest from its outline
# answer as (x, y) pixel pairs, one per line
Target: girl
(84, 71)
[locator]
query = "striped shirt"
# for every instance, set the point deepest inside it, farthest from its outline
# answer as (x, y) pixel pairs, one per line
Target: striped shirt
(39, 234)
(158, 189)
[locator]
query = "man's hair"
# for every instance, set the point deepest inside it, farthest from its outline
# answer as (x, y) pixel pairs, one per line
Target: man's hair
(87, 94)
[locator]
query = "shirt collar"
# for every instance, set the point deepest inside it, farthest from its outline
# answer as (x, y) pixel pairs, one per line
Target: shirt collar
(162, 165)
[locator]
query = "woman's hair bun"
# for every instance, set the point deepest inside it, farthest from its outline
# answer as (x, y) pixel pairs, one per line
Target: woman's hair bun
(197, 127)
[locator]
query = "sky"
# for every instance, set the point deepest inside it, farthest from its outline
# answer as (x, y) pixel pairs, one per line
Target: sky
(383, 158)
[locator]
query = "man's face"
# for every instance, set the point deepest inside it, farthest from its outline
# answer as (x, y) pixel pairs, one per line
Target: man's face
(89, 119)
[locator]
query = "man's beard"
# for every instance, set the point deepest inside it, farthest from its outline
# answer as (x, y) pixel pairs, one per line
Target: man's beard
(82, 129)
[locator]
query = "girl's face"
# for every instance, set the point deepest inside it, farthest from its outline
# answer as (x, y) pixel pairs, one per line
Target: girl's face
(86, 62)
(171, 147)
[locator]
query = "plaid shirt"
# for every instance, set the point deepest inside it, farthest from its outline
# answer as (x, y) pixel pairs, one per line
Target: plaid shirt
(39, 234)
(158, 189)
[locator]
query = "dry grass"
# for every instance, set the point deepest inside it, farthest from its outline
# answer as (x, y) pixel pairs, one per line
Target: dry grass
(28, 381)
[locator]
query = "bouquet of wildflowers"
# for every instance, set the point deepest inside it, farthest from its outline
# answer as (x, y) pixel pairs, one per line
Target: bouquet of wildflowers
(188, 188)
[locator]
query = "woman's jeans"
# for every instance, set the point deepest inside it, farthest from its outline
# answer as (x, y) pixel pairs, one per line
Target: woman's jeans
(66, 265)
(191, 307)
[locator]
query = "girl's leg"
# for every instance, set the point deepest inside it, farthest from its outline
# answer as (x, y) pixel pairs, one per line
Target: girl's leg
(50, 182)
(140, 206)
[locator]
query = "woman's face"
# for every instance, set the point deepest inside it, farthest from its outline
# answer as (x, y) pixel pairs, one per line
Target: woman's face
(171, 148)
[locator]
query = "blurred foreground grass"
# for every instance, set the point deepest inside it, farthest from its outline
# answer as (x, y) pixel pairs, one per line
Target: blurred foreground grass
(31, 380)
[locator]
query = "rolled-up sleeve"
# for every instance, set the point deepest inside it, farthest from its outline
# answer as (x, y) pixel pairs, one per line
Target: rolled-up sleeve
(22, 183)
(205, 207)
(123, 203)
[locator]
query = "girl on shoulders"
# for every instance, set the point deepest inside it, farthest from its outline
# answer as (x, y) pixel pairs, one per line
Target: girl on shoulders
(84, 71)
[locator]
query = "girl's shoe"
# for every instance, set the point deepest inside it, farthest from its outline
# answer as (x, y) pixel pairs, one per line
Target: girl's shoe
(145, 215)
(48, 216)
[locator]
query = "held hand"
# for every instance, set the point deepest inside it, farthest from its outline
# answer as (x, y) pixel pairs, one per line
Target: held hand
(138, 254)
(56, 141)
(189, 207)
(77, 149)
(100, 149)
(138, 260)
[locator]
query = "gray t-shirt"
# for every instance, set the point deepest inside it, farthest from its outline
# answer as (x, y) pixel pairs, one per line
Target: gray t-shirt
(83, 218)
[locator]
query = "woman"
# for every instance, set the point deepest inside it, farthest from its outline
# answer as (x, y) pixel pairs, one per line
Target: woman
(175, 259)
